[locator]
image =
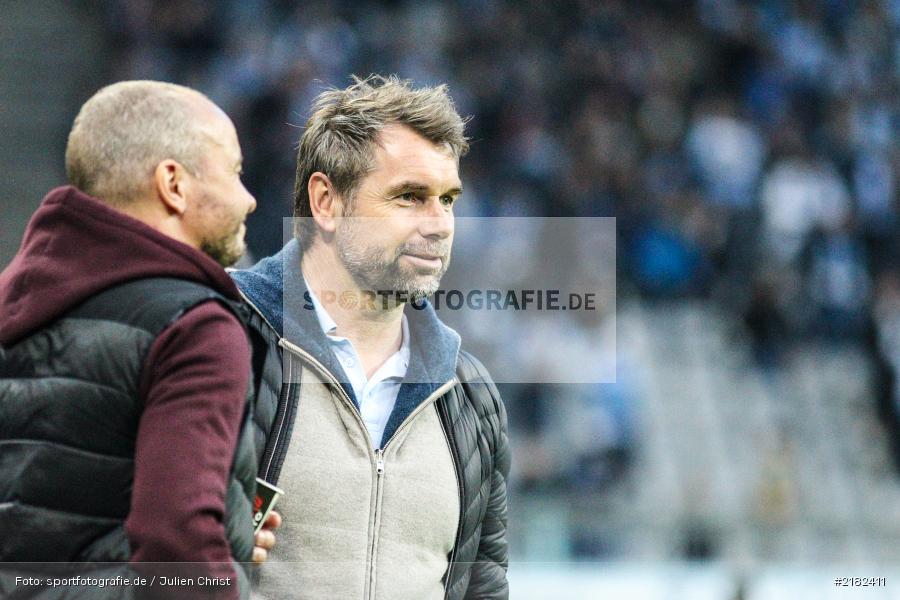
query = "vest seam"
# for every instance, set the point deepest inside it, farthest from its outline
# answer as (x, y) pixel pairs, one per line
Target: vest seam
(70, 378)
(122, 323)
(36, 507)
(44, 442)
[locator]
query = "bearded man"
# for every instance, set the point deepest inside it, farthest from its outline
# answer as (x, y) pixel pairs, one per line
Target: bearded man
(389, 442)
(124, 365)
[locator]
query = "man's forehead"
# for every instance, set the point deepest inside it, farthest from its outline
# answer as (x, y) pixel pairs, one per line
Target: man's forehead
(397, 140)
(218, 129)
(411, 177)
(401, 153)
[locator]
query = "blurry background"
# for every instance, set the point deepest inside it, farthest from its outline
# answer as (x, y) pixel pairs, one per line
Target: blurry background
(749, 151)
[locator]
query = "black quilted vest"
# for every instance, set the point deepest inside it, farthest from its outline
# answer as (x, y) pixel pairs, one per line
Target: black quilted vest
(69, 412)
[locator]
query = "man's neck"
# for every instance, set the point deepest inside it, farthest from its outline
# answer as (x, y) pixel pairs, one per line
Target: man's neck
(376, 332)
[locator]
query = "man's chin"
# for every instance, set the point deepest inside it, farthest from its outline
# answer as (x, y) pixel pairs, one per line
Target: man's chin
(406, 292)
(400, 284)
(228, 260)
(416, 293)
(420, 287)
(421, 277)
(225, 256)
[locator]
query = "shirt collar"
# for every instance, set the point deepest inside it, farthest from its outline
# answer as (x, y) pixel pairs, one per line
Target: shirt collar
(325, 321)
(276, 288)
(329, 326)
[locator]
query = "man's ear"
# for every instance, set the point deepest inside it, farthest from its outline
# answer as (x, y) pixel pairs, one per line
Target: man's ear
(171, 185)
(323, 201)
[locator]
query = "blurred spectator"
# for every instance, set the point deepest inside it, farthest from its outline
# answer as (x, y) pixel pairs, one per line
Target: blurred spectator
(728, 154)
(886, 315)
(798, 194)
(666, 262)
(608, 415)
(766, 324)
(839, 283)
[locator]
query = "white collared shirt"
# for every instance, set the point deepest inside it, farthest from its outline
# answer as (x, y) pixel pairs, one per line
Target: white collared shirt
(377, 395)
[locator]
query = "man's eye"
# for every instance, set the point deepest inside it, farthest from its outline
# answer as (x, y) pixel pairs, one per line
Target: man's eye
(409, 196)
(448, 200)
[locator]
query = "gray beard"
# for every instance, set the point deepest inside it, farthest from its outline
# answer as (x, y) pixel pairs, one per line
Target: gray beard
(370, 271)
(225, 251)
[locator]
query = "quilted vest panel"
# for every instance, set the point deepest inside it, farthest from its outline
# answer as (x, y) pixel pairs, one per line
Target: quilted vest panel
(69, 413)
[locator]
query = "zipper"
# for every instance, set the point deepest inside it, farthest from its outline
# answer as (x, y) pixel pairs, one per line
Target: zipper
(259, 312)
(323, 371)
(373, 543)
(422, 406)
(283, 400)
(280, 419)
(379, 474)
(377, 455)
(448, 435)
(379, 462)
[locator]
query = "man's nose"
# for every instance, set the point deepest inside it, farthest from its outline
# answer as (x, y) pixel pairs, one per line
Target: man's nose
(437, 220)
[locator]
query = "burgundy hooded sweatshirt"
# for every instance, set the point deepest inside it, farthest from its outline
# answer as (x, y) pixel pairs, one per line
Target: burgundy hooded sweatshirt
(194, 380)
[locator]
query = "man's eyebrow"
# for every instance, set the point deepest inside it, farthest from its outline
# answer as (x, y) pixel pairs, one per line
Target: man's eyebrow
(413, 186)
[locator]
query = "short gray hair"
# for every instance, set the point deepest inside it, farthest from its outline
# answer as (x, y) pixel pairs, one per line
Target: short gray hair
(339, 136)
(125, 130)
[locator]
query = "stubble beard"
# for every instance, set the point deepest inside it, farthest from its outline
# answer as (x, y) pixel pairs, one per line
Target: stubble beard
(226, 249)
(371, 271)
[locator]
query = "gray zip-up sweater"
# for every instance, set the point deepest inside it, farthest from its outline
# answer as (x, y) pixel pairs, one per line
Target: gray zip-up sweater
(422, 517)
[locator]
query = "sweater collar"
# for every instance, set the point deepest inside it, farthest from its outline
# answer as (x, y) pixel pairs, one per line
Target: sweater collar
(275, 285)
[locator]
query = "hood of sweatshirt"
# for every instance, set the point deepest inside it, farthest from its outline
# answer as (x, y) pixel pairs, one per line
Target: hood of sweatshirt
(76, 246)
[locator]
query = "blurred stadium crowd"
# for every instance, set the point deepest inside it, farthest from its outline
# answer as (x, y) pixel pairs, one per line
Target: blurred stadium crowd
(748, 150)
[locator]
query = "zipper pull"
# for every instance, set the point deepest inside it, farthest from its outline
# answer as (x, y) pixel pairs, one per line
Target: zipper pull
(379, 462)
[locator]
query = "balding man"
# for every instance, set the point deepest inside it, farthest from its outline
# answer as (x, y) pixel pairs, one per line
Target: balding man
(125, 367)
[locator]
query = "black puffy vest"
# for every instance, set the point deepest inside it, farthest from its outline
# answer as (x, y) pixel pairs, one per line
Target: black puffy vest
(69, 413)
